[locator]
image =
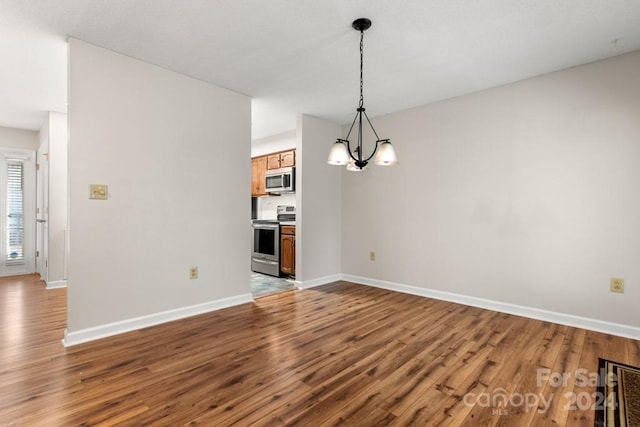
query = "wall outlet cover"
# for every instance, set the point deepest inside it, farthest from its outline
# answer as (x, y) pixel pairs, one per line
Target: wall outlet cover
(98, 191)
(617, 285)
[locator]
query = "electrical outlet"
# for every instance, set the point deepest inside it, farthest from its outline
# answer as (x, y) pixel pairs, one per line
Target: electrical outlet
(193, 273)
(372, 256)
(98, 191)
(617, 285)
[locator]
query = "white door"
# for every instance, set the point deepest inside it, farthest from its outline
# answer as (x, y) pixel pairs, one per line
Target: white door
(42, 213)
(17, 212)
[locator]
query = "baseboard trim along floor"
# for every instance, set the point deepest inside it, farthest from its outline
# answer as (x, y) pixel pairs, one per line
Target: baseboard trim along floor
(57, 284)
(128, 325)
(102, 331)
(319, 281)
(621, 330)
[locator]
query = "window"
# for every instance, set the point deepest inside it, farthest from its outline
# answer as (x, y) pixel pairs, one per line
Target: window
(14, 247)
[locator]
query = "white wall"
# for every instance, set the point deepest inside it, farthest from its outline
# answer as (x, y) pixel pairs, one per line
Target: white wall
(318, 202)
(19, 138)
(163, 143)
(524, 194)
(267, 205)
(58, 200)
(274, 143)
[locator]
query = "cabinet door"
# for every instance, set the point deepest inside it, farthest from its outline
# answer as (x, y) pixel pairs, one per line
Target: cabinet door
(288, 254)
(288, 159)
(288, 229)
(293, 255)
(258, 167)
(273, 161)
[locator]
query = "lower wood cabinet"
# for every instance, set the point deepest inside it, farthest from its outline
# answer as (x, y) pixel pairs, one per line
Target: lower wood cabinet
(288, 250)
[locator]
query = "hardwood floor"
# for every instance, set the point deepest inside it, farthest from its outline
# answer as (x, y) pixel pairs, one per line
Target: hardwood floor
(337, 354)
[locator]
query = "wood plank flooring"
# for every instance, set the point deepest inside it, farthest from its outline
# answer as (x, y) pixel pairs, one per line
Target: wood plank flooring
(337, 354)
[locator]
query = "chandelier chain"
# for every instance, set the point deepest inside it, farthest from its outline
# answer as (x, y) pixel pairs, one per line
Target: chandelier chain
(361, 60)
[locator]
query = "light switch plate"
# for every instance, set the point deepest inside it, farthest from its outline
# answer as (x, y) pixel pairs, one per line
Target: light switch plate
(98, 191)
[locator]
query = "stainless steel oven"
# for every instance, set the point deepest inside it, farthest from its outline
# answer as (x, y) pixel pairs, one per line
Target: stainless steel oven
(265, 254)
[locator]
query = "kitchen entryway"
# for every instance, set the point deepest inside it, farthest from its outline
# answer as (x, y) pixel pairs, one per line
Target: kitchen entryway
(262, 285)
(273, 214)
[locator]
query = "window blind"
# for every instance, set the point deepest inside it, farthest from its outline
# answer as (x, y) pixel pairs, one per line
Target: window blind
(14, 252)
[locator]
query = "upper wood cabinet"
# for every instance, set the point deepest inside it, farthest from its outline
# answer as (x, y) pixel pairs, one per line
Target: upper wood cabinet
(259, 165)
(258, 168)
(283, 159)
(288, 159)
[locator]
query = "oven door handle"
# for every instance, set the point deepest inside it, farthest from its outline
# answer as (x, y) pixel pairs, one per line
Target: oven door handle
(263, 262)
(265, 227)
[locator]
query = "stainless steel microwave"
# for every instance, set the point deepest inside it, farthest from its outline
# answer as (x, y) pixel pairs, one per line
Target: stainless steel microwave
(280, 180)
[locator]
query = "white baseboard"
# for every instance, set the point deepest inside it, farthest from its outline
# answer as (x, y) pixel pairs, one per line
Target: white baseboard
(319, 281)
(626, 331)
(57, 284)
(128, 325)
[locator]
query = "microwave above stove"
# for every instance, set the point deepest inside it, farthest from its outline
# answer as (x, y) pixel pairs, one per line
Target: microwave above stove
(280, 180)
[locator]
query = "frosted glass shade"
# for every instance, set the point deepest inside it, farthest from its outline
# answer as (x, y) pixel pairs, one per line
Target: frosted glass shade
(339, 155)
(386, 155)
(351, 166)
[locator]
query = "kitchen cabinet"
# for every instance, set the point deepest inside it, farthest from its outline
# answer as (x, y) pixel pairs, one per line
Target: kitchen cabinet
(261, 164)
(258, 168)
(288, 250)
(283, 159)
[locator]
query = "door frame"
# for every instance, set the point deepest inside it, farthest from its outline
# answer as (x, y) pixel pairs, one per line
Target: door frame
(42, 212)
(29, 193)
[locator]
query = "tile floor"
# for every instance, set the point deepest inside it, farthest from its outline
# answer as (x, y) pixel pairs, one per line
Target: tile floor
(261, 284)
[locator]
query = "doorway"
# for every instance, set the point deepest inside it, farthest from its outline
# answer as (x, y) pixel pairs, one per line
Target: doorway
(42, 212)
(17, 212)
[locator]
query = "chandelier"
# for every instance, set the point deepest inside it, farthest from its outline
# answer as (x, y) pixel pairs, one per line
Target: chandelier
(341, 152)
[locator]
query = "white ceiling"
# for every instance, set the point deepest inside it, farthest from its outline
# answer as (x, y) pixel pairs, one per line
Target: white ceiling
(301, 56)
